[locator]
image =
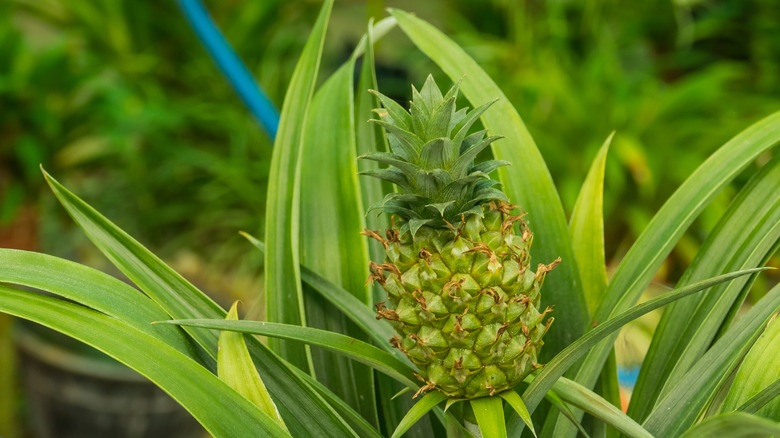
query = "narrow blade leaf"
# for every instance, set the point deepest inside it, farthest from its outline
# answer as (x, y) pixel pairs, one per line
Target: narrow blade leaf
(734, 425)
(193, 386)
(422, 407)
(180, 299)
(587, 230)
(490, 416)
(235, 367)
(350, 347)
(518, 405)
(556, 367)
(332, 217)
(284, 299)
(657, 240)
(699, 384)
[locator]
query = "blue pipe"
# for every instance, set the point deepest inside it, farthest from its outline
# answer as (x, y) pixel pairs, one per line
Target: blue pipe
(231, 66)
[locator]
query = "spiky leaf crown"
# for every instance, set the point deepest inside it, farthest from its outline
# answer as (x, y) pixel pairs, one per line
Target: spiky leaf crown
(432, 159)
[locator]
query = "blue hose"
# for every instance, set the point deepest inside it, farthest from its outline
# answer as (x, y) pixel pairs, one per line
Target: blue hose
(231, 66)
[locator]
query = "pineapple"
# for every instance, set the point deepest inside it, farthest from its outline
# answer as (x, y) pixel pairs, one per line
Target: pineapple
(460, 293)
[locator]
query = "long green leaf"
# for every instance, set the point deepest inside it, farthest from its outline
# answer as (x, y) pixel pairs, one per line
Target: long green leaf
(758, 401)
(369, 139)
(734, 425)
(564, 409)
(700, 383)
(355, 310)
(180, 299)
(235, 367)
(657, 240)
(422, 407)
(356, 349)
(743, 237)
(193, 386)
(587, 230)
(168, 289)
(518, 405)
(597, 406)
(331, 244)
(284, 299)
(587, 236)
(489, 412)
(527, 182)
(756, 376)
(711, 318)
(566, 358)
(90, 288)
(359, 424)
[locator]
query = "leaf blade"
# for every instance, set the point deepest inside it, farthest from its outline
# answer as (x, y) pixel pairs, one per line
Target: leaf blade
(734, 425)
(587, 230)
(489, 412)
(235, 367)
(180, 299)
(190, 384)
(703, 379)
(422, 407)
(354, 348)
(657, 240)
(556, 367)
(284, 297)
(518, 405)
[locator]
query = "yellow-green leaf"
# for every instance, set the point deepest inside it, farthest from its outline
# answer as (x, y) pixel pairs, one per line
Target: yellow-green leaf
(759, 369)
(587, 230)
(235, 367)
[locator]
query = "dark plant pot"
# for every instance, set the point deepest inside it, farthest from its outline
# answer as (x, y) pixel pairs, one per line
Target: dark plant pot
(74, 391)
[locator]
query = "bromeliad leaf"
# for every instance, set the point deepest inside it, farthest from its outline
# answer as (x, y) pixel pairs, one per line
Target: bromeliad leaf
(353, 348)
(556, 367)
(422, 407)
(235, 367)
(514, 400)
(587, 230)
(734, 425)
(284, 296)
(489, 412)
(189, 383)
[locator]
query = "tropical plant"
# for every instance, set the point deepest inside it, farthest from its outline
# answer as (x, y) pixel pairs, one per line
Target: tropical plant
(329, 369)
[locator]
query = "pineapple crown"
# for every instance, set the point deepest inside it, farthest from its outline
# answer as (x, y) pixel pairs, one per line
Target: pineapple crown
(432, 159)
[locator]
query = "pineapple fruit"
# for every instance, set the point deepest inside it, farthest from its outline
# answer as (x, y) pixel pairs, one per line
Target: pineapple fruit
(460, 292)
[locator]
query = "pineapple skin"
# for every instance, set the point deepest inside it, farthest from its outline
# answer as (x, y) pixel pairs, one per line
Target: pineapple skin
(464, 301)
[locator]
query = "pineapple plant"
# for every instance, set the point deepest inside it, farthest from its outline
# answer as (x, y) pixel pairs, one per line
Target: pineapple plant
(461, 293)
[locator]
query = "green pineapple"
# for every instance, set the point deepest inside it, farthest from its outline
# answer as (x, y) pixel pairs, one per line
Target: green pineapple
(460, 291)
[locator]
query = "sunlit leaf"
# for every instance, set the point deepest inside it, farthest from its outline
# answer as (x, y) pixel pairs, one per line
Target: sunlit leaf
(734, 425)
(698, 385)
(355, 349)
(744, 237)
(180, 299)
(518, 405)
(657, 240)
(235, 367)
(193, 386)
(284, 297)
(565, 359)
(422, 407)
(489, 412)
(587, 230)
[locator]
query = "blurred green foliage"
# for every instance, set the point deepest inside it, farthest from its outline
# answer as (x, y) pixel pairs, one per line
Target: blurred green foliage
(120, 100)
(675, 79)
